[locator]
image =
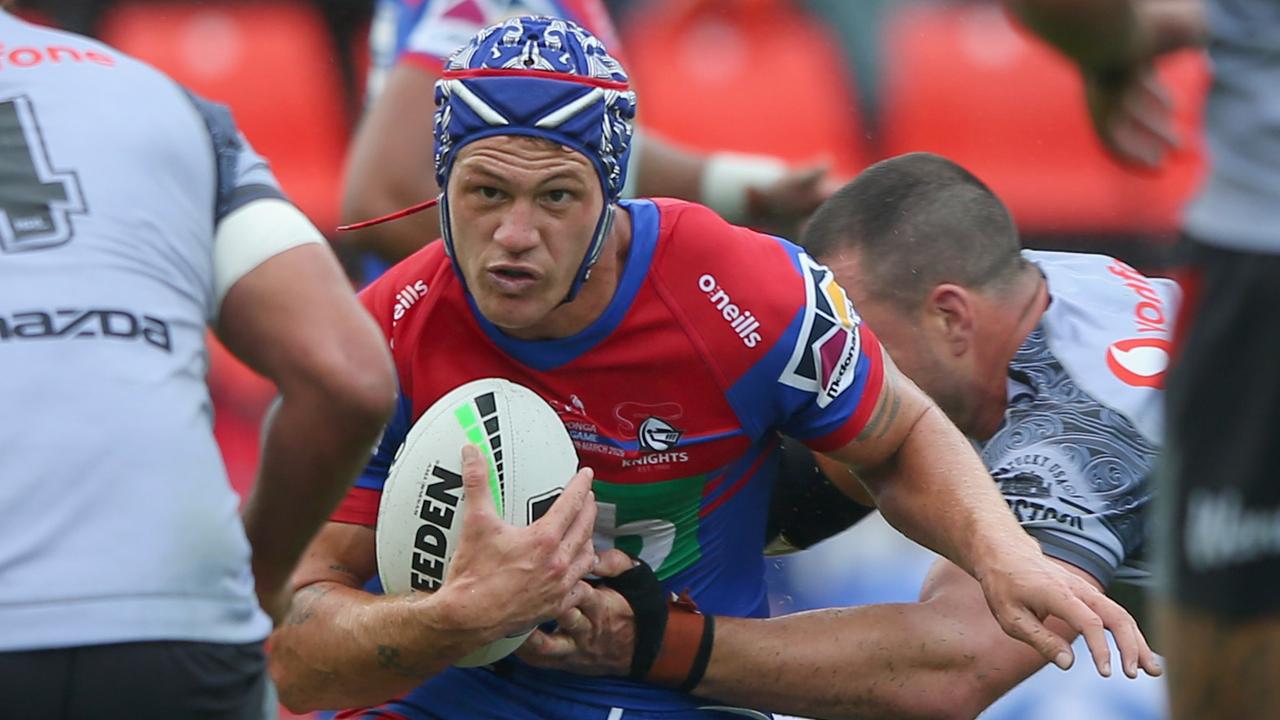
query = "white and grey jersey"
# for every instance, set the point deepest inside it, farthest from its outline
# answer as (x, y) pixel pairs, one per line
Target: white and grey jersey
(1239, 206)
(117, 522)
(1082, 428)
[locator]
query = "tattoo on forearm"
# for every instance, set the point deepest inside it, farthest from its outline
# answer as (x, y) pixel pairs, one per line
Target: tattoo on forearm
(389, 659)
(884, 416)
(304, 602)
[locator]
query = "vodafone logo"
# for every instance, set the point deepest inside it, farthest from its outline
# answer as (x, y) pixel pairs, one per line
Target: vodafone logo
(1140, 362)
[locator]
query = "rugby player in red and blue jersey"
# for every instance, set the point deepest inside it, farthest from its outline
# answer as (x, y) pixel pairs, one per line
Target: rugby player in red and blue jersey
(677, 349)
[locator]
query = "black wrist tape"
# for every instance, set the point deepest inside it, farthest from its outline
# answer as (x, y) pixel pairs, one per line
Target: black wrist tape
(639, 586)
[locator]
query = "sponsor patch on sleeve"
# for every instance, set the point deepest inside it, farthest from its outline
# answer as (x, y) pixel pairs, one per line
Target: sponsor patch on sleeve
(829, 343)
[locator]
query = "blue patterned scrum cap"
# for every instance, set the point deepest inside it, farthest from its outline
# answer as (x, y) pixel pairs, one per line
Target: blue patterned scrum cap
(542, 77)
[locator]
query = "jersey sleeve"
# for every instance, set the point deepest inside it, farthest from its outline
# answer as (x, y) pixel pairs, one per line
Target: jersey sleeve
(252, 219)
(835, 368)
(784, 339)
(1076, 475)
(243, 175)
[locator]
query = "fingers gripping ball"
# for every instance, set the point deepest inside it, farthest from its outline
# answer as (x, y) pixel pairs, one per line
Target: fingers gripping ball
(530, 459)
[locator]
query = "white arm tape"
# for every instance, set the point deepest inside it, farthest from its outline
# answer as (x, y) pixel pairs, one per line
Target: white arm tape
(251, 235)
(727, 176)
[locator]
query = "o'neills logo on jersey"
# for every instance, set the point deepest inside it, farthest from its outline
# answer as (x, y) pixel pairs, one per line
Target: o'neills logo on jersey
(740, 321)
(405, 299)
(408, 295)
(1141, 361)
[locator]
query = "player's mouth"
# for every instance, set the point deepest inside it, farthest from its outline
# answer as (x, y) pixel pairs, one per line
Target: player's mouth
(511, 279)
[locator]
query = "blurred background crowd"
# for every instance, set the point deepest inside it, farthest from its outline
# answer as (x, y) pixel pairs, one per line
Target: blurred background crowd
(839, 82)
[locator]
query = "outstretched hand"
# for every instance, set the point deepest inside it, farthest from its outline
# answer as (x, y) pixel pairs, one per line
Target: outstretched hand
(1132, 112)
(1026, 589)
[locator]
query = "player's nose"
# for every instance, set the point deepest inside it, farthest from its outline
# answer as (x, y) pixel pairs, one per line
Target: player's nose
(517, 232)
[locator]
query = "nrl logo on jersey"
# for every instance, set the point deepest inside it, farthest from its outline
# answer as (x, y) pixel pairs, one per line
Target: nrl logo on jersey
(826, 354)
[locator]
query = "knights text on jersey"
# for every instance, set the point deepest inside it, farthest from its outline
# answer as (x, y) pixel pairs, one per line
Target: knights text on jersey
(1081, 433)
(719, 337)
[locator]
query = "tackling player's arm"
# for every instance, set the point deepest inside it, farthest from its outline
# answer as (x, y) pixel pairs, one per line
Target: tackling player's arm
(929, 483)
(343, 647)
(942, 657)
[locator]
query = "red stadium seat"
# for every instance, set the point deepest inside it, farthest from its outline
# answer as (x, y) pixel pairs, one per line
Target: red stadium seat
(273, 63)
(965, 82)
(724, 74)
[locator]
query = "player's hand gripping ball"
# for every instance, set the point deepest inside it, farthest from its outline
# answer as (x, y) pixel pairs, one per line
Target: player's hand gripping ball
(530, 459)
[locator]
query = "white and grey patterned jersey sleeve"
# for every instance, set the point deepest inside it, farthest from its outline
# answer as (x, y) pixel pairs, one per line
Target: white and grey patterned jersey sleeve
(243, 175)
(1074, 471)
(253, 220)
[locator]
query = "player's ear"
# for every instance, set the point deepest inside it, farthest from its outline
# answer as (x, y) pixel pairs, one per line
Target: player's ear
(950, 308)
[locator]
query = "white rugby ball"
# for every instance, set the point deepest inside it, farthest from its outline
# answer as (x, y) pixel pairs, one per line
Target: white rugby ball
(530, 458)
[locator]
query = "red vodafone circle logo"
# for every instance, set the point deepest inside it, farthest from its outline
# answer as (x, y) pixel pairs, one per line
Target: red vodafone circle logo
(1140, 362)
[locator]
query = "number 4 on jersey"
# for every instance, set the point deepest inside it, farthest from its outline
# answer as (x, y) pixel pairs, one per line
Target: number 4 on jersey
(35, 199)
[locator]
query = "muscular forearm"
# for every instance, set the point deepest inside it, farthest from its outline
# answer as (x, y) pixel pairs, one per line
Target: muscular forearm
(936, 492)
(313, 449)
(900, 661)
(944, 657)
(341, 647)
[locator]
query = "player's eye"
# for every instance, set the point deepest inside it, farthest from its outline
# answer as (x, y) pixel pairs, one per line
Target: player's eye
(488, 193)
(558, 196)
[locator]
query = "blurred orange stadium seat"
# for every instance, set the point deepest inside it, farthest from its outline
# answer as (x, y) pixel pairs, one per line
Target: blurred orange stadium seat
(757, 76)
(964, 81)
(273, 63)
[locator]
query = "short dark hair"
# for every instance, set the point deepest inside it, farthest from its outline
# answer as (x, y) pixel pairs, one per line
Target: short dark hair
(918, 220)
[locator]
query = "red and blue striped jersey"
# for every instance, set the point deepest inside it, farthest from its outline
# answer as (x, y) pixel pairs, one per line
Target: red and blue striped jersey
(717, 340)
